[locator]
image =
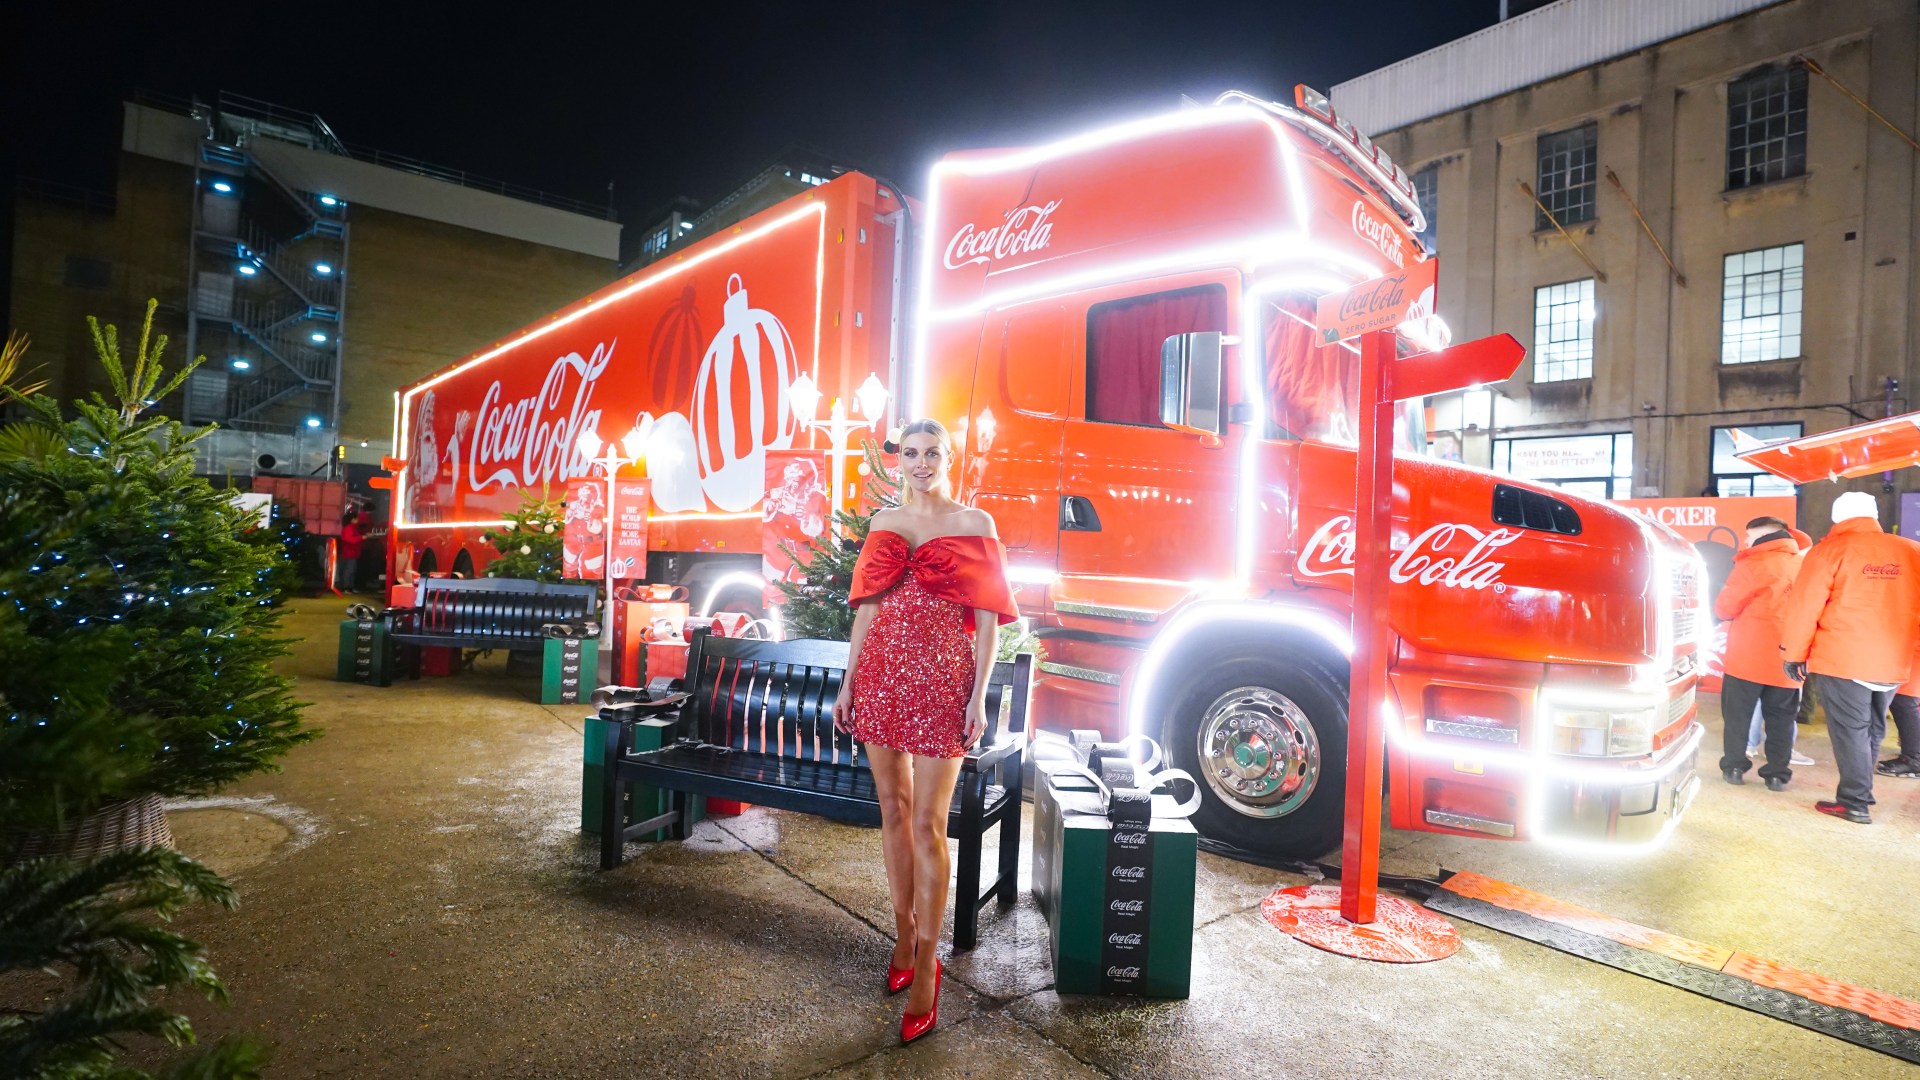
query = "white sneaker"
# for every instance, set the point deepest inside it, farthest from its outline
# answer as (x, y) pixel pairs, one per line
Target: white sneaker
(1754, 750)
(1799, 758)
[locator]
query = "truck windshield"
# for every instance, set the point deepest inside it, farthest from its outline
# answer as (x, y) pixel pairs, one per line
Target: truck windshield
(1313, 390)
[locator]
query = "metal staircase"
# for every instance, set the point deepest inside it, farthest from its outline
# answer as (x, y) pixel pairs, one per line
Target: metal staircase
(268, 269)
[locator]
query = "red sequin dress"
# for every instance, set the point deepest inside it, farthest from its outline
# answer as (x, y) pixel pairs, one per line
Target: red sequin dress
(915, 675)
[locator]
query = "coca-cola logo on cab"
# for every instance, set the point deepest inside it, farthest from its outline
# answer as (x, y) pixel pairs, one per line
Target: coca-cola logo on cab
(1026, 229)
(1329, 552)
(1378, 233)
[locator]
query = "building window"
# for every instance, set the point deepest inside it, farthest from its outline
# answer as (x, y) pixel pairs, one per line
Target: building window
(1760, 305)
(1123, 348)
(1426, 190)
(1766, 127)
(656, 244)
(1733, 477)
(1563, 331)
(1597, 466)
(1567, 175)
(86, 272)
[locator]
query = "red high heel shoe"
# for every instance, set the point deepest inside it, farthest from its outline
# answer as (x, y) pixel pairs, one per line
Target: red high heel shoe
(898, 979)
(914, 1025)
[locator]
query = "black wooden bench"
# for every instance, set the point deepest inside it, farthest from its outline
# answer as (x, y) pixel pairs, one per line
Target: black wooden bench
(489, 613)
(754, 723)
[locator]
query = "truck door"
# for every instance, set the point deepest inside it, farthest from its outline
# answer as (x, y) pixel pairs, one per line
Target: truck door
(1140, 500)
(1020, 401)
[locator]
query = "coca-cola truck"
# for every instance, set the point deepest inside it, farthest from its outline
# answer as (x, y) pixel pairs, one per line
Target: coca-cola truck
(1118, 329)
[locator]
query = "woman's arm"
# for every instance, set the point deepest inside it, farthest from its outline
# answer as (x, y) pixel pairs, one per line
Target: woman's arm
(843, 704)
(986, 646)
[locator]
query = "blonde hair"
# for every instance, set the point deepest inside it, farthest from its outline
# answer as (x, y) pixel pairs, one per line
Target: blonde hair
(925, 426)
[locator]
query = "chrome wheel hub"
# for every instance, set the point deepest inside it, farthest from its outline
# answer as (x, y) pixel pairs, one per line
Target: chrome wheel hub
(1258, 752)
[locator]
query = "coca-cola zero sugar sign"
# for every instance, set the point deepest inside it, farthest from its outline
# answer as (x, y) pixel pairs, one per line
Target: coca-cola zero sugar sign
(1380, 303)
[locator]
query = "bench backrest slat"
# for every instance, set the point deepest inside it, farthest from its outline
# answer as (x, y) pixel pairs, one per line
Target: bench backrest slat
(777, 697)
(500, 607)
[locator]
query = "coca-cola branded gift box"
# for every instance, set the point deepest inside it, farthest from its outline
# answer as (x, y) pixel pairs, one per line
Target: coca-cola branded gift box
(1114, 881)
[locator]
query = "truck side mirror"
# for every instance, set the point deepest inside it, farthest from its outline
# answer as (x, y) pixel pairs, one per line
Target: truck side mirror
(1190, 380)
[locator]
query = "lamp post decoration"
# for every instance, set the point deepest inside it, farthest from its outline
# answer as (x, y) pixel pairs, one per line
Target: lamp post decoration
(871, 398)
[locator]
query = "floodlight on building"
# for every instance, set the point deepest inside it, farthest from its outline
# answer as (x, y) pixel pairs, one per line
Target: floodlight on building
(328, 200)
(313, 421)
(247, 269)
(223, 187)
(323, 269)
(686, 224)
(319, 338)
(240, 364)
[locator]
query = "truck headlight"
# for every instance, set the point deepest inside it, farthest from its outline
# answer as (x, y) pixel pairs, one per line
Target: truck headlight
(1589, 731)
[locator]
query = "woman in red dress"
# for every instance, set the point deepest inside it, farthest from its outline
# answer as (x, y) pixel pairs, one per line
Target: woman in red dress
(929, 593)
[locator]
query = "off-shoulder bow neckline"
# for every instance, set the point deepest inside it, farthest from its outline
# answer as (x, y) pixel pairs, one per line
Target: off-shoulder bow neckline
(913, 550)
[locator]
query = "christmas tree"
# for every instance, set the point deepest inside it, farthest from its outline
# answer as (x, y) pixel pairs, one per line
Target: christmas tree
(530, 543)
(819, 605)
(85, 592)
(119, 542)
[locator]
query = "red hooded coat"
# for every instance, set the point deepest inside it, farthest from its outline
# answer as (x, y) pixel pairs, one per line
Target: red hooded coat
(1754, 600)
(1854, 612)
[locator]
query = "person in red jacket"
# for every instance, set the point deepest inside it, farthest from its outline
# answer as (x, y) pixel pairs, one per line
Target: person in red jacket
(353, 535)
(1853, 622)
(1754, 600)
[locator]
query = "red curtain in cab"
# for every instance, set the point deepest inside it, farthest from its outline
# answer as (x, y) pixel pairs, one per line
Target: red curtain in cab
(1123, 348)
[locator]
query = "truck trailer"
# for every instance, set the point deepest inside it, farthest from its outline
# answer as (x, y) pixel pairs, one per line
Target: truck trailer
(1118, 328)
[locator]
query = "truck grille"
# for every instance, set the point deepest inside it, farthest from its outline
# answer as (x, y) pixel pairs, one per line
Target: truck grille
(1685, 622)
(1678, 707)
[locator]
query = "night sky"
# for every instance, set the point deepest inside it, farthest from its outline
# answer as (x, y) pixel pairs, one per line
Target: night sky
(667, 100)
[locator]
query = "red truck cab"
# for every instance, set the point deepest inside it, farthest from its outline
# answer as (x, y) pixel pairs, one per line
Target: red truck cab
(1119, 330)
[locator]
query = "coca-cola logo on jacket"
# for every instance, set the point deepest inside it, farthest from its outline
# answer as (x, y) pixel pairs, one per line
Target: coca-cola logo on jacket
(1025, 230)
(1424, 561)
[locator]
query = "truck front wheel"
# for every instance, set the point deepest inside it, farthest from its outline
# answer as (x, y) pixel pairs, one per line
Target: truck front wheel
(1266, 739)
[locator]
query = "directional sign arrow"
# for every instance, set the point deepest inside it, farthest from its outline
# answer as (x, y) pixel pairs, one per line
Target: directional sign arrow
(1487, 360)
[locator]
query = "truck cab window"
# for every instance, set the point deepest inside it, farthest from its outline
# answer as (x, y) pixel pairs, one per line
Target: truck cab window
(1123, 348)
(1313, 390)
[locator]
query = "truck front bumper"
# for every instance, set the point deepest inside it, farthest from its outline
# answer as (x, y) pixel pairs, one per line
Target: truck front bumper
(1621, 813)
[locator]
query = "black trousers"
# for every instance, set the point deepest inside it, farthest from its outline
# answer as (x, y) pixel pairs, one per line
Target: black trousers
(1851, 712)
(1906, 721)
(1778, 706)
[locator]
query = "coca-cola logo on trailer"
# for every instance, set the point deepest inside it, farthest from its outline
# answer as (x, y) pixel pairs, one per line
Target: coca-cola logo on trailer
(1329, 552)
(1026, 229)
(530, 442)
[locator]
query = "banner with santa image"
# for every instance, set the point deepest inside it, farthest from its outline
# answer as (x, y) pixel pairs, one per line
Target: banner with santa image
(583, 541)
(795, 514)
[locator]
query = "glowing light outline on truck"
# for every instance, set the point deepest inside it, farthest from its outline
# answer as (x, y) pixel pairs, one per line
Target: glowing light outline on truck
(818, 206)
(1209, 612)
(736, 577)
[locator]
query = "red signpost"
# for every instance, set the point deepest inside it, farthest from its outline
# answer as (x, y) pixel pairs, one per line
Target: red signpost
(1408, 933)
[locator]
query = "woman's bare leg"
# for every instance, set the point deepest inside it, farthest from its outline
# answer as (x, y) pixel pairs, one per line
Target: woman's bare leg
(893, 783)
(933, 780)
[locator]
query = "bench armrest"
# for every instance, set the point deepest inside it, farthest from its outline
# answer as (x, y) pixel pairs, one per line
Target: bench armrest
(989, 756)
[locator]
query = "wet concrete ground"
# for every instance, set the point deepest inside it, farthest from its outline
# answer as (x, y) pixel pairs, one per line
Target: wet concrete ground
(417, 902)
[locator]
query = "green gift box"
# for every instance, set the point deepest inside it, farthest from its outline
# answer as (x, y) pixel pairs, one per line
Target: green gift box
(1118, 898)
(366, 655)
(567, 670)
(643, 801)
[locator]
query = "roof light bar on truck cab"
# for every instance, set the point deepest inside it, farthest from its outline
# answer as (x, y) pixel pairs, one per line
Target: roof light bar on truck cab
(1314, 113)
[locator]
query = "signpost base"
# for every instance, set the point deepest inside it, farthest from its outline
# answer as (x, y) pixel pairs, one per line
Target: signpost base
(1400, 933)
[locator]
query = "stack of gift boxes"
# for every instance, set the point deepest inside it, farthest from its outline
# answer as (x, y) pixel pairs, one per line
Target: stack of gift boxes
(1113, 878)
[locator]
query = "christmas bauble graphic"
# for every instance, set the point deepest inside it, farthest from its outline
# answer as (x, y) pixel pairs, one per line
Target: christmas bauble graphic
(673, 351)
(739, 405)
(672, 464)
